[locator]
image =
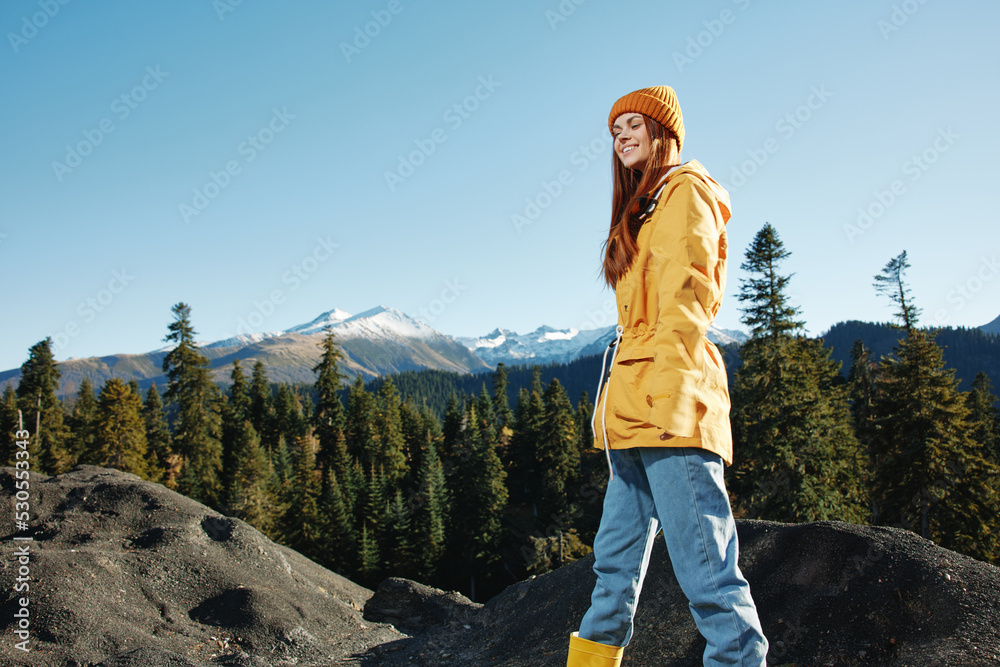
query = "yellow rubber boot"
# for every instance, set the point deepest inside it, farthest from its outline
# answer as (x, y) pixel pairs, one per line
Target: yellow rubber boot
(585, 653)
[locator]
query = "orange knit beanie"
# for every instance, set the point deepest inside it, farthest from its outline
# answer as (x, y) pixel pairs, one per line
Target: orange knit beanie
(659, 103)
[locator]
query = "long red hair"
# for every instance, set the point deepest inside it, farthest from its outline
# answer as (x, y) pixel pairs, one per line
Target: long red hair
(629, 185)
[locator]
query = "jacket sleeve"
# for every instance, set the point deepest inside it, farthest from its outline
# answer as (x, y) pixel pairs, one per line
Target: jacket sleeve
(688, 254)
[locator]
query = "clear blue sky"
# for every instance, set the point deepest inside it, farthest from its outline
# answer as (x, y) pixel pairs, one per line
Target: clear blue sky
(234, 156)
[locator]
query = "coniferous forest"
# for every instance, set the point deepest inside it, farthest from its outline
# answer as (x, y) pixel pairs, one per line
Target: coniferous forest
(471, 490)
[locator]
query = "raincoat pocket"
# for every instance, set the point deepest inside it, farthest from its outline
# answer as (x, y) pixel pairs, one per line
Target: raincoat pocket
(628, 389)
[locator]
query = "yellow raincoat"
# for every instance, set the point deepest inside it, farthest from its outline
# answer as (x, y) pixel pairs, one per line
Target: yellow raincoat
(666, 376)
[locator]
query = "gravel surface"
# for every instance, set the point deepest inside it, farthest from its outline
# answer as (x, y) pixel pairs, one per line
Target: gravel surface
(126, 573)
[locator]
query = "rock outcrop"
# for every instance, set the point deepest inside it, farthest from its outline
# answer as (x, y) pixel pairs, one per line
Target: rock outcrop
(127, 573)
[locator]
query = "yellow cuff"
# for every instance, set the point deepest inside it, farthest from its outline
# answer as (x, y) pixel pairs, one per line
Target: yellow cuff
(586, 653)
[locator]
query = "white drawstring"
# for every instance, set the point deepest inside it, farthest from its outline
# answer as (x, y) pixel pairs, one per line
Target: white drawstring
(661, 184)
(597, 399)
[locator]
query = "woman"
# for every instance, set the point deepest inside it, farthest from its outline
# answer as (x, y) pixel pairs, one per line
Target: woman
(663, 416)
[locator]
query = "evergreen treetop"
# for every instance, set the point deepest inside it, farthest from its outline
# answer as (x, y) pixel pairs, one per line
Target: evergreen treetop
(890, 283)
(768, 313)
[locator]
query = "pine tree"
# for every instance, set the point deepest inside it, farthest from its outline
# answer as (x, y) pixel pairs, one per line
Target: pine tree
(329, 423)
(235, 411)
(369, 514)
(43, 413)
(9, 425)
(797, 458)
(890, 283)
(359, 429)
(288, 421)
(557, 455)
(501, 404)
(451, 450)
(196, 431)
(119, 430)
(389, 434)
(430, 516)
(282, 460)
(525, 483)
(301, 525)
(584, 413)
(593, 474)
(414, 439)
(81, 444)
(261, 409)
(861, 389)
(250, 495)
(335, 522)
(861, 396)
(768, 313)
(929, 476)
(479, 500)
(984, 418)
(328, 417)
(397, 538)
(164, 464)
(368, 558)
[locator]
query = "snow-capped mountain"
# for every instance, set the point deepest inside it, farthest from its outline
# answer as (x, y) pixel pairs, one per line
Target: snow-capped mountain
(381, 322)
(543, 345)
(379, 341)
(378, 322)
(547, 344)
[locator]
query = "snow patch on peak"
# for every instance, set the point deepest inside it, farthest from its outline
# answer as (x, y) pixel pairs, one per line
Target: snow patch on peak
(558, 334)
(240, 340)
(547, 344)
(329, 318)
(383, 322)
(377, 310)
(543, 345)
(494, 339)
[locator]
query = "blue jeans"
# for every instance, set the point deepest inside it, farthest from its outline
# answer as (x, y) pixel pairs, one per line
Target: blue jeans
(683, 489)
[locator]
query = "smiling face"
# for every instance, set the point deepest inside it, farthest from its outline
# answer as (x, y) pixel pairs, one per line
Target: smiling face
(631, 140)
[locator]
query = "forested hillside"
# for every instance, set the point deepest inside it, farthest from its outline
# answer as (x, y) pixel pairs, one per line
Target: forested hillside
(969, 351)
(435, 388)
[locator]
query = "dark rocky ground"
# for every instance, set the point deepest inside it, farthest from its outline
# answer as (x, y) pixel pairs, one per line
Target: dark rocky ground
(126, 573)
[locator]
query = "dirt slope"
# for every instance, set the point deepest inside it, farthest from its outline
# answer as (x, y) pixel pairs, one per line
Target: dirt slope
(126, 573)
